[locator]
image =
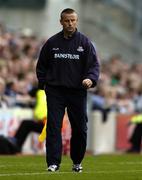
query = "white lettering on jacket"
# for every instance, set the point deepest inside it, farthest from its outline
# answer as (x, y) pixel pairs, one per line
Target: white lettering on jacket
(66, 56)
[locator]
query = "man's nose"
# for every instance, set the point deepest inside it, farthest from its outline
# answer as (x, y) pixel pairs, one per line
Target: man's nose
(70, 23)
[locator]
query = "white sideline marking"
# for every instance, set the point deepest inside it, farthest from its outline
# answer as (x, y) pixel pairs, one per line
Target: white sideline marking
(121, 163)
(68, 164)
(86, 172)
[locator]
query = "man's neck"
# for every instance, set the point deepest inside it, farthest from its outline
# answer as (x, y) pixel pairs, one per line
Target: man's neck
(68, 35)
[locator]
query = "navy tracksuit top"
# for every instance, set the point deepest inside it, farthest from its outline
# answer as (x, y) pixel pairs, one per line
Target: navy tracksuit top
(66, 62)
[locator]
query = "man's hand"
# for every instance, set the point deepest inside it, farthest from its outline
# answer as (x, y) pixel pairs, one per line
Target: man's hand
(87, 83)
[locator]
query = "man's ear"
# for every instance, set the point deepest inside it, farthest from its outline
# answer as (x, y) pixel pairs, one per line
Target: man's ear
(61, 22)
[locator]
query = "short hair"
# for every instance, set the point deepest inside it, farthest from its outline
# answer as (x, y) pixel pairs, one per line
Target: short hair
(68, 11)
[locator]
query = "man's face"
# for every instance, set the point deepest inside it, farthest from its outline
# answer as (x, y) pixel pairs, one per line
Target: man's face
(69, 22)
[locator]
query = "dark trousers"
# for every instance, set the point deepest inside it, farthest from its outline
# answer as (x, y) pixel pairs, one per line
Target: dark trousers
(59, 98)
(25, 128)
(136, 138)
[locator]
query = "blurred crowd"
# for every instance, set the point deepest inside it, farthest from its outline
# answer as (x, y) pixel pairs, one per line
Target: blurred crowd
(119, 87)
(18, 55)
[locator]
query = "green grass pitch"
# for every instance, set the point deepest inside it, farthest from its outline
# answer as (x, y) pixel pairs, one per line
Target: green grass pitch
(99, 167)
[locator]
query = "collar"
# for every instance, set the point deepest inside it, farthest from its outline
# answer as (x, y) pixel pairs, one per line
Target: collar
(69, 37)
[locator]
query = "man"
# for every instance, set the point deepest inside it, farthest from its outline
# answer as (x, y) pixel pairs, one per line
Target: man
(14, 145)
(32, 125)
(66, 68)
(136, 136)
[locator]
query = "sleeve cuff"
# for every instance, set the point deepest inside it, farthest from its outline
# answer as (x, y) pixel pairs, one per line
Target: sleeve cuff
(94, 84)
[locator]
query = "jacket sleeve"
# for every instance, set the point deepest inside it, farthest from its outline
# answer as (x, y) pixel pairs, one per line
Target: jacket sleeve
(92, 69)
(41, 67)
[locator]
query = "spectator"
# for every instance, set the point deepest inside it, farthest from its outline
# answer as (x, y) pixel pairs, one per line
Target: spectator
(13, 145)
(136, 135)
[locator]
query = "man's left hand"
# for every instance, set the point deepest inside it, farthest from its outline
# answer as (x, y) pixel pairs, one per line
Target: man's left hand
(87, 83)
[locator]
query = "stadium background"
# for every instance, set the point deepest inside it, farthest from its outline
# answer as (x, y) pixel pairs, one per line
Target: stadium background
(116, 28)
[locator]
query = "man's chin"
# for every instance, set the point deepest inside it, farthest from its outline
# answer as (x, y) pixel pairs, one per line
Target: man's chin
(71, 31)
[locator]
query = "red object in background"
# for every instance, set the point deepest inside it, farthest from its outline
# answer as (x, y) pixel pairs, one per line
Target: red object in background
(123, 131)
(66, 134)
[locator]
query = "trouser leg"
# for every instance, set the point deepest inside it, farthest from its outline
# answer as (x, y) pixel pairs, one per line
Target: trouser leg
(25, 128)
(136, 137)
(78, 118)
(56, 110)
